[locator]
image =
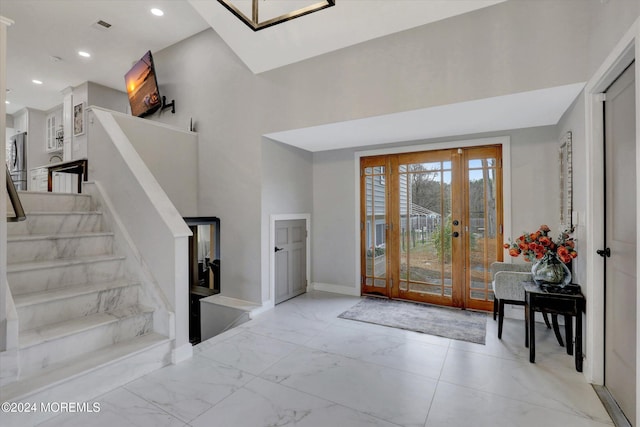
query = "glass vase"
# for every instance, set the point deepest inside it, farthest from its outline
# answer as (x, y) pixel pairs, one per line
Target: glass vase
(549, 270)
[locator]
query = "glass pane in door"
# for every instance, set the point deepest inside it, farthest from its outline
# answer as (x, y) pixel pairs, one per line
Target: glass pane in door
(375, 227)
(425, 228)
(482, 238)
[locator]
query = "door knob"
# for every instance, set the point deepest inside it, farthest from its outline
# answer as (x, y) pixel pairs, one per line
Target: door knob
(455, 234)
(277, 249)
(604, 252)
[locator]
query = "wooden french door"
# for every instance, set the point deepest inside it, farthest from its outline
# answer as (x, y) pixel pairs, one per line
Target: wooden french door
(431, 224)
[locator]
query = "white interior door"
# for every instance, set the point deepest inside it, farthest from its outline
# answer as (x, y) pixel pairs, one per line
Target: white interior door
(290, 259)
(620, 236)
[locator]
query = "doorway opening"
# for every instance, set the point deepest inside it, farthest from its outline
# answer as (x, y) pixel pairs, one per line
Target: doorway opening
(204, 268)
(431, 224)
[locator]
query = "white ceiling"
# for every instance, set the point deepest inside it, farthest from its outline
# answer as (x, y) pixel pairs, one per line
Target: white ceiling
(347, 23)
(59, 28)
(46, 28)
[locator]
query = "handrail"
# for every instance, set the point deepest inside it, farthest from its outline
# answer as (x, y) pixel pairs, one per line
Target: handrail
(15, 201)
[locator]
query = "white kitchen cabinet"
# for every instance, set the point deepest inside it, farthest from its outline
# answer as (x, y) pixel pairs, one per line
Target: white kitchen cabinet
(39, 179)
(54, 132)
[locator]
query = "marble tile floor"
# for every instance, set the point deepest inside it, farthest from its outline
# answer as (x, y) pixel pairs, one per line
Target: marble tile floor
(300, 365)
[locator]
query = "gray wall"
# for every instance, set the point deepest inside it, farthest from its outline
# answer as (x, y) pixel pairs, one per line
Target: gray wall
(511, 47)
(608, 23)
(287, 188)
(333, 239)
(574, 121)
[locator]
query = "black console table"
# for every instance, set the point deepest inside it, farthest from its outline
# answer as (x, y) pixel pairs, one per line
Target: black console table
(567, 304)
(78, 167)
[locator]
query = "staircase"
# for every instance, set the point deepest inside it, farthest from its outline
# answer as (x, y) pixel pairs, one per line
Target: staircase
(79, 311)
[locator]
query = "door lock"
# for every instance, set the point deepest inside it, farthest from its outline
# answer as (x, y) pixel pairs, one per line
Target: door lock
(456, 222)
(604, 252)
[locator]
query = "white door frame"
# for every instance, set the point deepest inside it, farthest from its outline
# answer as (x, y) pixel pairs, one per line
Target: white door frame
(272, 259)
(625, 51)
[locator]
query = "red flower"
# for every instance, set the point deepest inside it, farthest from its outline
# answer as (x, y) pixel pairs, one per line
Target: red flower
(565, 258)
(536, 245)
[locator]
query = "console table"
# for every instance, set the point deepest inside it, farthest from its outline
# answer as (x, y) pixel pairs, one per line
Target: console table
(78, 167)
(568, 305)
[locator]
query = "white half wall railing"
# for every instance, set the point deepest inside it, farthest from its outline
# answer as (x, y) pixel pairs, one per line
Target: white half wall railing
(152, 220)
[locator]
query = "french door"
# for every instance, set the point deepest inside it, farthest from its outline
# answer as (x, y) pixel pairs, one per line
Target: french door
(431, 224)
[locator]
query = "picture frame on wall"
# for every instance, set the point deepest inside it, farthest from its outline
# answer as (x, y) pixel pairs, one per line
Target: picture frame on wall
(78, 119)
(566, 184)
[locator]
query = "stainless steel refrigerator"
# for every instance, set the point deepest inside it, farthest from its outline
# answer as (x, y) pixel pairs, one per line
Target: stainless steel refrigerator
(17, 160)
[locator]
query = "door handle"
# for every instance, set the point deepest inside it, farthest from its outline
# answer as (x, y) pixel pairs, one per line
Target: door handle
(604, 252)
(455, 234)
(14, 149)
(277, 249)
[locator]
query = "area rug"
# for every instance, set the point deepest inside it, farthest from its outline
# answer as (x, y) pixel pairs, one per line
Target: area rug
(445, 322)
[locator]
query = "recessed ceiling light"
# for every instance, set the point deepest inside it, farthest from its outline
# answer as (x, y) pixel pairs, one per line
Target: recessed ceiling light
(84, 54)
(7, 102)
(38, 82)
(157, 12)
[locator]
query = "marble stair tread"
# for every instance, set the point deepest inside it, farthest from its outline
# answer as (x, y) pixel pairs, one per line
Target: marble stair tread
(36, 336)
(34, 201)
(64, 262)
(65, 371)
(36, 237)
(47, 213)
(34, 298)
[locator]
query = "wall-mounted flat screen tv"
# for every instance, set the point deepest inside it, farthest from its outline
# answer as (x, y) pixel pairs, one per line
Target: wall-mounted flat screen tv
(142, 87)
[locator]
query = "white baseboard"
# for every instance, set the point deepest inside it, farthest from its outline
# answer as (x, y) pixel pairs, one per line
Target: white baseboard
(266, 306)
(337, 289)
(182, 353)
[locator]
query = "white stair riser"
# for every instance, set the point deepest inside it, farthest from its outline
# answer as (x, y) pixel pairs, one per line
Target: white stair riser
(23, 282)
(58, 248)
(89, 386)
(56, 224)
(37, 315)
(54, 202)
(42, 355)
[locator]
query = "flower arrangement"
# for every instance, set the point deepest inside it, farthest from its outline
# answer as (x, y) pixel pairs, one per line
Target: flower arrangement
(534, 246)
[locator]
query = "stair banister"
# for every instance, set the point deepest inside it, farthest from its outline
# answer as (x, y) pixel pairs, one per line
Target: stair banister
(15, 201)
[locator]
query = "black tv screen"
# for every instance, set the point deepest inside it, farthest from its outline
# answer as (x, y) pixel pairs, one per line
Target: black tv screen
(142, 87)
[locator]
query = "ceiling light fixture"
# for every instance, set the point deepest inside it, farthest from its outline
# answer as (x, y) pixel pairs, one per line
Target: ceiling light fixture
(265, 14)
(157, 12)
(84, 54)
(38, 82)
